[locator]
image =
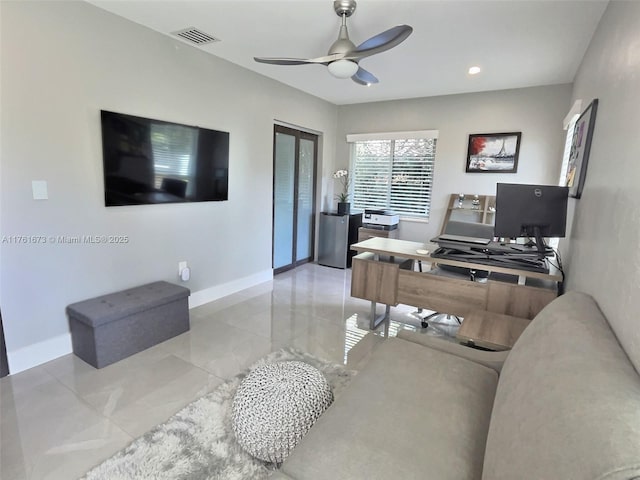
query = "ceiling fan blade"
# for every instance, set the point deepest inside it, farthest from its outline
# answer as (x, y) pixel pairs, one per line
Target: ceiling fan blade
(326, 60)
(381, 42)
(363, 77)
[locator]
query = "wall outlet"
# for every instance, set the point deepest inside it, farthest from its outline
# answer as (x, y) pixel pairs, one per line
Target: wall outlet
(39, 190)
(181, 266)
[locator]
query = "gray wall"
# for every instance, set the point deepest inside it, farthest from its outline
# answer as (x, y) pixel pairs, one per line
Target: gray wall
(604, 258)
(61, 63)
(536, 112)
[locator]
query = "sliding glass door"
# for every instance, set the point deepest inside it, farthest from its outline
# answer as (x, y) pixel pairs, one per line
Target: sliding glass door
(294, 180)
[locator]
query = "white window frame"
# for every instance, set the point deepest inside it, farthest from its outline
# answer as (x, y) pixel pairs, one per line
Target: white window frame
(393, 136)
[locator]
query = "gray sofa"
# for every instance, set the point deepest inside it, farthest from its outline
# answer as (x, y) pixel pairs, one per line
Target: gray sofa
(563, 404)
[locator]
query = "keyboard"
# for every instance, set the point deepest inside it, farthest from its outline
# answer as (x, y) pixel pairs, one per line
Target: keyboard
(447, 237)
(529, 264)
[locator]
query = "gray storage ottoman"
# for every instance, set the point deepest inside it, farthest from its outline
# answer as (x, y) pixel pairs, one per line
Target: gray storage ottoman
(111, 327)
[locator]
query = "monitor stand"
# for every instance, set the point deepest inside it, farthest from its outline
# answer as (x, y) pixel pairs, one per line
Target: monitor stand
(540, 244)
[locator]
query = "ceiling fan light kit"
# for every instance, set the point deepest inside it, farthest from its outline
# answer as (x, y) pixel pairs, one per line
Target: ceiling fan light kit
(343, 56)
(343, 68)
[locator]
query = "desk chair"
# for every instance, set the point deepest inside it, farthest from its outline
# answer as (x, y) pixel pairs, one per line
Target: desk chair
(468, 229)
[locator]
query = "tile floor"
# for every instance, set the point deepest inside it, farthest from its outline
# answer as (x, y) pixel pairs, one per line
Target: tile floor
(61, 418)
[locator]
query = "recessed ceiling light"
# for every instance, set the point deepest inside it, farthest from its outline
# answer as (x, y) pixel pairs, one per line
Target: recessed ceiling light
(474, 70)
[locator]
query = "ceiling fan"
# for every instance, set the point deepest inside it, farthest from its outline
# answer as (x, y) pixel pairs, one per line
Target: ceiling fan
(343, 56)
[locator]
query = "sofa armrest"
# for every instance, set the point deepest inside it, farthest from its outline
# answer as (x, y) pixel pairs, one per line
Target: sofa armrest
(493, 360)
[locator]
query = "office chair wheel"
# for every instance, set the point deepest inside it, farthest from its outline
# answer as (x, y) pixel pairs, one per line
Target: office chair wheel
(424, 324)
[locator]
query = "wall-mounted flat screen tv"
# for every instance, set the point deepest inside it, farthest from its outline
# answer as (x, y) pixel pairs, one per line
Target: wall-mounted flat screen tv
(152, 161)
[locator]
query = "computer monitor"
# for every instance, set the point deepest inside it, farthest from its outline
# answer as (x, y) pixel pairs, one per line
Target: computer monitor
(531, 211)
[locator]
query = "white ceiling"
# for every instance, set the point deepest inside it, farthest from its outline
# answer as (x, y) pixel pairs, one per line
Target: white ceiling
(517, 43)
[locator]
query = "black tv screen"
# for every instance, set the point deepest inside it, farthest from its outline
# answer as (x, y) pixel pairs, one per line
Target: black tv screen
(152, 161)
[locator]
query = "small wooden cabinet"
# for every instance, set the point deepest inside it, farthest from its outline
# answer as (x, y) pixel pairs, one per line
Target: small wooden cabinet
(367, 233)
(469, 207)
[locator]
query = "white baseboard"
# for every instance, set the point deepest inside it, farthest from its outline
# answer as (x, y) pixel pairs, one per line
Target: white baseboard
(218, 291)
(42, 352)
(38, 353)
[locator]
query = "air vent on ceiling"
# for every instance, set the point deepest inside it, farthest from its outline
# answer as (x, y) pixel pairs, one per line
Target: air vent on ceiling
(195, 36)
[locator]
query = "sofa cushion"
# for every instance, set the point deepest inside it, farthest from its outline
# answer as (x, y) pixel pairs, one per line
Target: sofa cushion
(568, 401)
(411, 413)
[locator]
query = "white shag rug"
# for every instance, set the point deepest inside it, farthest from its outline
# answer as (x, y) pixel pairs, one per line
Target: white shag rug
(198, 443)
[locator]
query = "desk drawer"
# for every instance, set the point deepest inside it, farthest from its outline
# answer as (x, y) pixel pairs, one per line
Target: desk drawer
(441, 294)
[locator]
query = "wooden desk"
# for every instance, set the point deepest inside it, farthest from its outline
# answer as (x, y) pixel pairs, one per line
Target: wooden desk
(406, 249)
(394, 282)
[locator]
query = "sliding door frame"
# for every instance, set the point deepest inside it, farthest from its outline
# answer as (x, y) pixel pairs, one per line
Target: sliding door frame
(298, 135)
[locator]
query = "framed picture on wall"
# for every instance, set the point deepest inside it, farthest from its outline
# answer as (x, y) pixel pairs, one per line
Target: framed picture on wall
(493, 152)
(580, 148)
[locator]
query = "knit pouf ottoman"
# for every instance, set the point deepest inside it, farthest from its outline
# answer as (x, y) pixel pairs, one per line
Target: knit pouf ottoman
(275, 405)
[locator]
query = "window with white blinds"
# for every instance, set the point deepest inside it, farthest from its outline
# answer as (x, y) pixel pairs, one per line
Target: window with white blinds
(394, 174)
